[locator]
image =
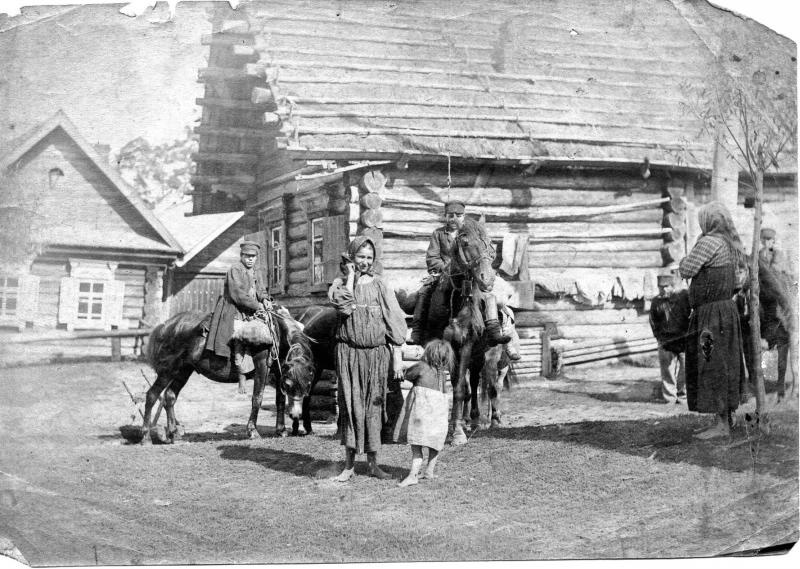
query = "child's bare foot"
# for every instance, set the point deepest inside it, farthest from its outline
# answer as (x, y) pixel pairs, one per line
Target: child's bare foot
(242, 388)
(409, 480)
(346, 475)
(375, 470)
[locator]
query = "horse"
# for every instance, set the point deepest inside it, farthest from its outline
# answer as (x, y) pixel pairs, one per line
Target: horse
(176, 349)
(455, 315)
(319, 327)
(778, 317)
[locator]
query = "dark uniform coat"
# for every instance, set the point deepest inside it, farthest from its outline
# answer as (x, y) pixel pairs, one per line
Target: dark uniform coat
(440, 250)
(241, 298)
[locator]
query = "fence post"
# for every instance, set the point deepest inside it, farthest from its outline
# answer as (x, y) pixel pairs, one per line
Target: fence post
(116, 347)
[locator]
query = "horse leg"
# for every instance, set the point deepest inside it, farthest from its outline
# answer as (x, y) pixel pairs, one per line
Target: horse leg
(280, 411)
(262, 362)
(459, 394)
(307, 406)
(174, 428)
(155, 390)
(474, 404)
(783, 359)
(494, 394)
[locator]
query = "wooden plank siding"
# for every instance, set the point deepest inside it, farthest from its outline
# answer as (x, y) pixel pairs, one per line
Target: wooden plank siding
(82, 206)
(50, 273)
(196, 292)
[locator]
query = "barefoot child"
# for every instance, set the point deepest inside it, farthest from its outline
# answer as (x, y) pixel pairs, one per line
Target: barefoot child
(423, 419)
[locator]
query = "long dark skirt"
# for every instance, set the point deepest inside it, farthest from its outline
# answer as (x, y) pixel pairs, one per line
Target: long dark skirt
(715, 369)
(363, 374)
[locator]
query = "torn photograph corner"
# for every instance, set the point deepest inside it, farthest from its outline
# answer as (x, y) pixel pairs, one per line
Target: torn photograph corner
(314, 281)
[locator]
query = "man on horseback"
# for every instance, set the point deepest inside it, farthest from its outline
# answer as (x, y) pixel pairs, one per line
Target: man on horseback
(438, 259)
(242, 299)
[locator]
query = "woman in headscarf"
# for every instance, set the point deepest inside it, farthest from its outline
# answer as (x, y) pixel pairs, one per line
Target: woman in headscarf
(715, 371)
(370, 329)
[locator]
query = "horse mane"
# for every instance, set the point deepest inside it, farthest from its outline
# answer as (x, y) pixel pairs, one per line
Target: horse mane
(476, 230)
(171, 341)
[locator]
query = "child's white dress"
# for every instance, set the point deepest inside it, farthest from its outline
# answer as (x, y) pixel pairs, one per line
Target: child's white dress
(423, 419)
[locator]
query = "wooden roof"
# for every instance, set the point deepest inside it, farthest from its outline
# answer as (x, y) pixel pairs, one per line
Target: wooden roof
(157, 239)
(595, 80)
(196, 232)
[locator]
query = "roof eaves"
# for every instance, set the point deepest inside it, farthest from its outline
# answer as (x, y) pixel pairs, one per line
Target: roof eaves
(209, 238)
(61, 120)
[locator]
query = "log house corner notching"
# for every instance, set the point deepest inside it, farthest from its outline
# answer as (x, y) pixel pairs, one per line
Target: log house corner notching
(543, 119)
(97, 239)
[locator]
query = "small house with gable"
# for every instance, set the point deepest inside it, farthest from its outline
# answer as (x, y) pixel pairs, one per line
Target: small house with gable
(99, 256)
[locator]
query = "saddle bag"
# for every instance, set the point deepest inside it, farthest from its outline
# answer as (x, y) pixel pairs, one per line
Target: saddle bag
(254, 331)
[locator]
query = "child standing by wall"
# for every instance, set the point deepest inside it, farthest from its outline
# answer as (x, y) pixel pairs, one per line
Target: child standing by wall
(669, 321)
(423, 419)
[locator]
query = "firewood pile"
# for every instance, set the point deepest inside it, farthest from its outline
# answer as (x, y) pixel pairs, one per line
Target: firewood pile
(603, 349)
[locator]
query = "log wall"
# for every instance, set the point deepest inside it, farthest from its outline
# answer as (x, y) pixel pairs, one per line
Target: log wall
(593, 235)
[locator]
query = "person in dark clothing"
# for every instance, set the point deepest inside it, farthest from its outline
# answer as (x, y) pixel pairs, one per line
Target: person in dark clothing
(241, 299)
(715, 369)
(669, 320)
(438, 258)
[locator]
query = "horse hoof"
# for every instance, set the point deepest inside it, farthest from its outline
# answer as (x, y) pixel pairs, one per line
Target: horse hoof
(283, 433)
(496, 423)
(253, 434)
(459, 439)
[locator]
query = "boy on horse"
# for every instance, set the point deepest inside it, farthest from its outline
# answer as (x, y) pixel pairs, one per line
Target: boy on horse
(438, 258)
(241, 300)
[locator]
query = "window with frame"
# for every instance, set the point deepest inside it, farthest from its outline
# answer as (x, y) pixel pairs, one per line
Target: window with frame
(276, 257)
(90, 298)
(9, 296)
(90, 301)
(317, 251)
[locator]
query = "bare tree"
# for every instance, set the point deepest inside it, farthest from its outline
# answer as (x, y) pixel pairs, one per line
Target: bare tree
(749, 106)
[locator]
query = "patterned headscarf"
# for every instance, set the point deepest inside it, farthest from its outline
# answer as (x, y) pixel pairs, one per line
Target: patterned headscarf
(356, 244)
(715, 219)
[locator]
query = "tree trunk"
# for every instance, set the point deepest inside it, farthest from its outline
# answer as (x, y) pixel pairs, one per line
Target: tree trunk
(755, 321)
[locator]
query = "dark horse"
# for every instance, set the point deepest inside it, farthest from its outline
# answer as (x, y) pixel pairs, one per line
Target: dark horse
(175, 349)
(319, 325)
(777, 322)
(455, 315)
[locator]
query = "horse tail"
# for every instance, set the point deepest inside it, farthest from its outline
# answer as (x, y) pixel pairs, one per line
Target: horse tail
(170, 342)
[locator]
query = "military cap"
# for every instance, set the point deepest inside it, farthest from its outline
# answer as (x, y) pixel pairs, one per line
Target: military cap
(454, 206)
(767, 233)
(249, 248)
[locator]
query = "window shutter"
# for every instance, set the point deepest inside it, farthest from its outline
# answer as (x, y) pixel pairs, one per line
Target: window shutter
(261, 266)
(113, 304)
(68, 302)
(334, 243)
(29, 298)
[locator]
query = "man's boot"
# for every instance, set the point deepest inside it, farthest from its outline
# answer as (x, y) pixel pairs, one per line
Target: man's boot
(493, 329)
(420, 313)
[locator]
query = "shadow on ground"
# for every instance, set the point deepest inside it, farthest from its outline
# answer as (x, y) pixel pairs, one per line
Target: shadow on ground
(670, 439)
(296, 463)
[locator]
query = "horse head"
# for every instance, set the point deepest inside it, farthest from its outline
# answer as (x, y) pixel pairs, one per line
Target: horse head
(475, 254)
(296, 365)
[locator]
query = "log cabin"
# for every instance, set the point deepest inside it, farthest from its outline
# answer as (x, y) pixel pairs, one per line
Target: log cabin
(563, 123)
(100, 255)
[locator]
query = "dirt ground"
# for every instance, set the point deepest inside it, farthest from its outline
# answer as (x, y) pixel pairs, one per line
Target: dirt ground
(587, 466)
